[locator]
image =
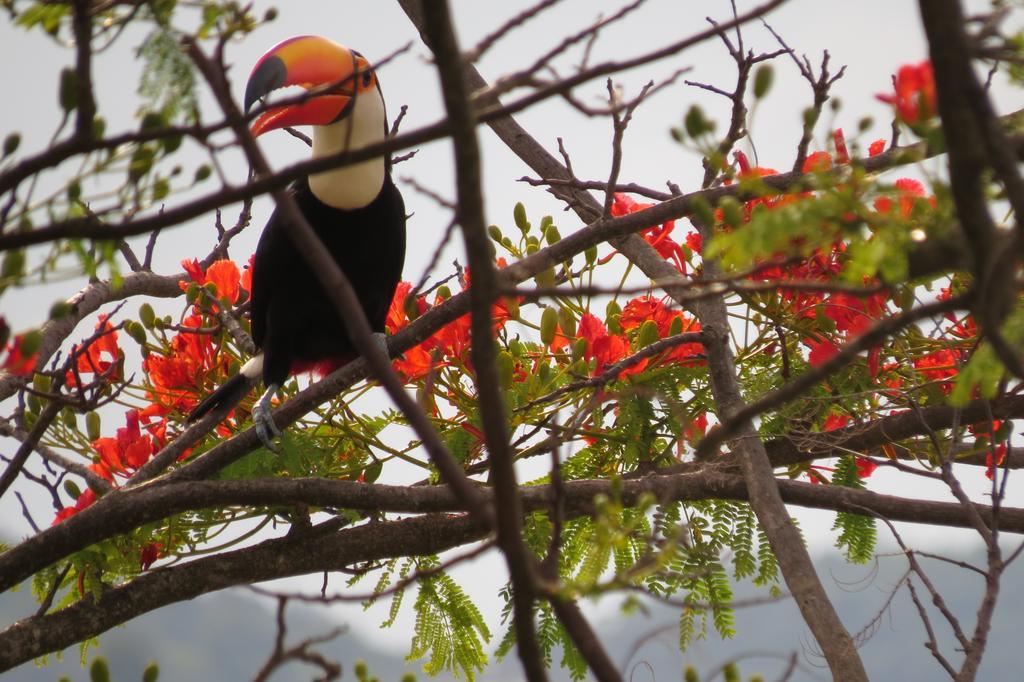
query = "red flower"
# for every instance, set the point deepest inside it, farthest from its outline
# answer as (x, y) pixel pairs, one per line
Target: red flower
(129, 450)
(865, 467)
(644, 308)
(876, 147)
(149, 554)
(992, 462)
(942, 364)
(605, 348)
(818, 162)
(177, 377)
(224, 274)
(835, 421)
(16, 361)
(842, 155)
(914, 99)
(83, 501)
(821, 352)
(656, 236)
(246, 280)
(99, 355)
(909, 192)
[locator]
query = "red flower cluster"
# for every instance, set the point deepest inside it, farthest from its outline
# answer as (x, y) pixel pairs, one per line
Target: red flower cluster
(908, 192)
(98, 357)
(451, 343)
(914, 98)
(224, 274)
(130, 449)
(658, 236)
(604, 348)
(644, 308)
(177, 377)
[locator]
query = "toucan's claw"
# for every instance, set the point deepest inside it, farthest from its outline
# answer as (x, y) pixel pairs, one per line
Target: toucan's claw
(266, 429)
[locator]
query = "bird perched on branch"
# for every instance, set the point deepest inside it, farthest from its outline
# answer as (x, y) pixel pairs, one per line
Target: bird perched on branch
(356, 211)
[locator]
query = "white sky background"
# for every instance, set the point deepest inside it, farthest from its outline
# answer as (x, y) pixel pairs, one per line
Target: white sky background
(873, 38)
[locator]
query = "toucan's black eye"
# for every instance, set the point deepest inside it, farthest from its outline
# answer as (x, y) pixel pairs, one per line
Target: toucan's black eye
(367, 79)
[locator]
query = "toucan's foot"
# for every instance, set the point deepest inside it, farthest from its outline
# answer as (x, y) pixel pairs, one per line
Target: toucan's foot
(266, 429)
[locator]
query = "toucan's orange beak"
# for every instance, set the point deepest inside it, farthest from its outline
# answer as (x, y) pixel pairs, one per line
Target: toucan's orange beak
(308, 62)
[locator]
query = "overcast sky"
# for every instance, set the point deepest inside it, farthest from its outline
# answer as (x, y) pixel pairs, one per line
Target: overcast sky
(872, 38)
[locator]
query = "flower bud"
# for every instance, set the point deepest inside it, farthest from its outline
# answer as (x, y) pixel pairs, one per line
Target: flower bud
(519, 214)
(11, 143)
(147, 315)
(136, 331)
(548, 326)
(72, 489)
(68, 95)
(763, 78)
(648, 334)
(59, 310)
(506, 368)
(732, 212)
(92, 425)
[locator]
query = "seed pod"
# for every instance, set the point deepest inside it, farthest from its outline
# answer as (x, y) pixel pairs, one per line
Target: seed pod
(567, 321)
(506, 368)
(151, 121)
(411, 307)
(545, 278)
(69, 418)
(59, 310)
(551, 235)
(30, 342)
(494, 232)
(99, 672)
(732, 212)
(41, 382)
(579, 348)
(548, 326)
(810, 117)
(763, 78)
(11, 143)
(72, 489)
(648, 334)
(512, 306)
(695, 122)
(92, 425)
(702, 211)
(612, 314)
(14, 264)
(147, 315)
(519, 214)
(202, 173)
(152, 671)
(68, 90)
(136, 331)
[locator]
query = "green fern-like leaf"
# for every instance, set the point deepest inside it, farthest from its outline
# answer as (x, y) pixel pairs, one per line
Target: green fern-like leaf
(857, 533)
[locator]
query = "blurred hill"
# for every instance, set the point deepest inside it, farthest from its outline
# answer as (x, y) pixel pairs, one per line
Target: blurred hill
(227, 636)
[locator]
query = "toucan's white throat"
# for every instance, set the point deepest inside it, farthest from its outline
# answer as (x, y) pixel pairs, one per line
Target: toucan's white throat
(353, 186)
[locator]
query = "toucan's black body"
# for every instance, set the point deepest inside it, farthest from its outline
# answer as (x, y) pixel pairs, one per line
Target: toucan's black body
(294, 322)
(356, 211)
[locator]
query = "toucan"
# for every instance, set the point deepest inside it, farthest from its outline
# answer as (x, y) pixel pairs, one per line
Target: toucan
(357, 211)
